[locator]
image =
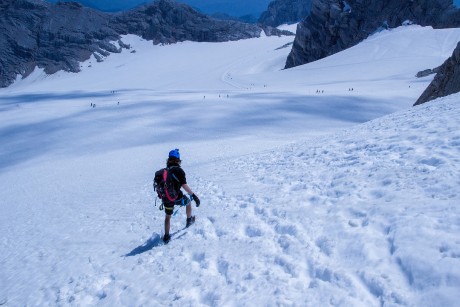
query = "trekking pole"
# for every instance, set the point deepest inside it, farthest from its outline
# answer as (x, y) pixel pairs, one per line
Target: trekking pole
(177, 210)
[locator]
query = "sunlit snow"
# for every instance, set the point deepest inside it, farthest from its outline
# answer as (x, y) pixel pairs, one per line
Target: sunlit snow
(321, 185)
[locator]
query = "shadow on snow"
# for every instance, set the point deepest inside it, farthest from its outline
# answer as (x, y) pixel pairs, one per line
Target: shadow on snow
(109, 126)
(152, 242)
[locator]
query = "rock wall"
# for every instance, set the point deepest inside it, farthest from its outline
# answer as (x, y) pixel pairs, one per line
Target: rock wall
(285, 11)
(334, 25)
(170, 22)
(60, 36)
(446, 81)
(54, 37)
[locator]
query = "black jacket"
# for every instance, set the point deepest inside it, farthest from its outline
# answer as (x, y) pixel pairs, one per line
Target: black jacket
(179, 174)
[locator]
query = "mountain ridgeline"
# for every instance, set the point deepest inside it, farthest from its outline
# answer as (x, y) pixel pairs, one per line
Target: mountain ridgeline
(334, 25)
(446, 81)
(285, 11)
(60, 36)
(54, 37)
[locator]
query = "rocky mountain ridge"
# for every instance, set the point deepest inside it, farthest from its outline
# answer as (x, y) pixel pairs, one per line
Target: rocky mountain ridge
(107, 5)
(285, 11)
(60, 36)
(446, 81)
(334, 25)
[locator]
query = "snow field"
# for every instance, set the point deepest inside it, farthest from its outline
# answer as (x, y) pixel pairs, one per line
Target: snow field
(373, 204)
(300, 205)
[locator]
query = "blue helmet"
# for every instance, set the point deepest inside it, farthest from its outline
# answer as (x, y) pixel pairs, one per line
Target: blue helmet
(174, 154)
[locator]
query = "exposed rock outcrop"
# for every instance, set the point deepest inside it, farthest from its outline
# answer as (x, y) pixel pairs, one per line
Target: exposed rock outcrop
(427, 72)
(446, 81)
(170, 22)
(285, 11)
(60, 36)
(245, 18)
(53, 37)
(334, 25)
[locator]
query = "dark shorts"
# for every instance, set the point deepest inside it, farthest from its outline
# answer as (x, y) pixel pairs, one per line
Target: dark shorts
(169, 206)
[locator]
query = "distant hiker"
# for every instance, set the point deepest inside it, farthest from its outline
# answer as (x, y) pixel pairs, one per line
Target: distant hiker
(168, 183)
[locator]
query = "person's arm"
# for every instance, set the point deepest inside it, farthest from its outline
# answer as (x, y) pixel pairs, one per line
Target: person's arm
(189, 191)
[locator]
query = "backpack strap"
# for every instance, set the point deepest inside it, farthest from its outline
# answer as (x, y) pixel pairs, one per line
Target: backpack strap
(174, 176)
(165, 176)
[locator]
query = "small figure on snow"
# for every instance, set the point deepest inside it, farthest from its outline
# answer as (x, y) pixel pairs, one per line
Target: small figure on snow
(170, 191)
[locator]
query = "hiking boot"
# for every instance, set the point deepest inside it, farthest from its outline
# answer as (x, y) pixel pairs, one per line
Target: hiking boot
(190, 221)
(166, 238)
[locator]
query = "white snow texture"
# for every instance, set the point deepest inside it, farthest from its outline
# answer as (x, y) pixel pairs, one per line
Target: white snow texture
(320, 185)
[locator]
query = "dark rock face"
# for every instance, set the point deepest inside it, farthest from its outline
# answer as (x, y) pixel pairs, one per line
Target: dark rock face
(285, 11)
(334, 25)
(54, 37)
(60, 36)
(446, 81)
(170, 22)
(427, 72)
(245, 18)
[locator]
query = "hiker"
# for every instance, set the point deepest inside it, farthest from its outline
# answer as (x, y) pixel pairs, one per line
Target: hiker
(173, 166)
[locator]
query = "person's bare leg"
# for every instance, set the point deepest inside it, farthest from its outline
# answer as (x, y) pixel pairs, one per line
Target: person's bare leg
(167, 224)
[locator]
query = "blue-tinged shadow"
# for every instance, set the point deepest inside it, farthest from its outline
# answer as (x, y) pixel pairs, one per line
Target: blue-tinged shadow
(153, 241)
(36, 98)
(102, 129)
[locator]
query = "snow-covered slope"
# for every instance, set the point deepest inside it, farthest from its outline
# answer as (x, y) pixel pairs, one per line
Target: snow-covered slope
(368, 216)
(309, 196)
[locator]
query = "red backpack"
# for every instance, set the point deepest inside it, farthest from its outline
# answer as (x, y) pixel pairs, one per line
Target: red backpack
(165, 184)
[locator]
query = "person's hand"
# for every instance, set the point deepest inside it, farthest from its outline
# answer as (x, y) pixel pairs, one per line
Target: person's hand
(196, 199)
